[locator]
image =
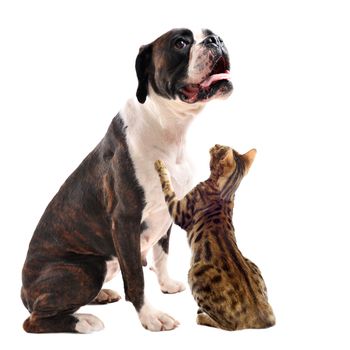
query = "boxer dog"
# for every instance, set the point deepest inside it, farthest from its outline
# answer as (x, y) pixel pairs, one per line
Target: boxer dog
(110, 211)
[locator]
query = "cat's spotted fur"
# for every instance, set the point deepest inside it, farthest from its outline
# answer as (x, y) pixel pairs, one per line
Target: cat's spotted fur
(229, 289)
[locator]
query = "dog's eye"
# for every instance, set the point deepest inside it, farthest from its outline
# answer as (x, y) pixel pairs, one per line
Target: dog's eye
(180, 43)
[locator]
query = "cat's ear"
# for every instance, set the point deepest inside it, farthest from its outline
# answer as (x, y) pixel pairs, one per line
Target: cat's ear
(248, 159)
(142, 65)
(226, 162)
(227, 158)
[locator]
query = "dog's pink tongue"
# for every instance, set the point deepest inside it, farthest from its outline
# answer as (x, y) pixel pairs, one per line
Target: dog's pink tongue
(191, 91)
(215, 77)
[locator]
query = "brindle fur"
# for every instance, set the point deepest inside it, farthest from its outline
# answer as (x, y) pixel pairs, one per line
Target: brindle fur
(91, 219)
(229, 289)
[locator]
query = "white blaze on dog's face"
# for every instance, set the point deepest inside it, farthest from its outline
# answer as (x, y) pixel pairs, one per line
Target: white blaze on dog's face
(191, 67)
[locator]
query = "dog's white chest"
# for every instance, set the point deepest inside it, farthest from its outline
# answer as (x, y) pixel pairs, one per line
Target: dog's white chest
(155, 214)
(150, 137)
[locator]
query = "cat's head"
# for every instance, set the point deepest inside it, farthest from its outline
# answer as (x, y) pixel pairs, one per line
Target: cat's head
(228, 167)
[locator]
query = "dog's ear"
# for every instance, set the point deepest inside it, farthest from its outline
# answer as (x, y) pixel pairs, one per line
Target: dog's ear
(142, 65)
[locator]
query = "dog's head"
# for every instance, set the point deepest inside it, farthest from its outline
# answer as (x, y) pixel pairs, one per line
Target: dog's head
(192, 67)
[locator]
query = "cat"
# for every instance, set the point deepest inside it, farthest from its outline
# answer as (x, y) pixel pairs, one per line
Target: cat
(228, 288)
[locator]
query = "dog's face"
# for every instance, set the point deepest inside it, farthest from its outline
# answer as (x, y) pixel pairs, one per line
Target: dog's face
(191, 67)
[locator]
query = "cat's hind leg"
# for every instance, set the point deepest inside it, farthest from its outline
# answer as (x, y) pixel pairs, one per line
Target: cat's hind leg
(204, 319)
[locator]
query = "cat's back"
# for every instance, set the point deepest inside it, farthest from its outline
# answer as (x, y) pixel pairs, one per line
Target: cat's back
(226, 285)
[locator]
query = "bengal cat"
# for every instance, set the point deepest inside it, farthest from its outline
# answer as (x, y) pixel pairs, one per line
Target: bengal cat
(228, 288)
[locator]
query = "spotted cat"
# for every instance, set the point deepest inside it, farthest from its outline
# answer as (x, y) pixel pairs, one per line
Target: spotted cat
(228, 288)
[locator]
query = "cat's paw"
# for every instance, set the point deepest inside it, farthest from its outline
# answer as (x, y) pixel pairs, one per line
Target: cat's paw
(159, 165)
(172, 286)
(155, 320)
(205, 320)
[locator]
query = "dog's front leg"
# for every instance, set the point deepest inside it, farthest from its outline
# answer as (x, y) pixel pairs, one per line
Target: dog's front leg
(126, 237)
(160, 257)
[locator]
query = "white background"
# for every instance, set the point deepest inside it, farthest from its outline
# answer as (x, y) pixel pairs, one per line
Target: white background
(67, 67)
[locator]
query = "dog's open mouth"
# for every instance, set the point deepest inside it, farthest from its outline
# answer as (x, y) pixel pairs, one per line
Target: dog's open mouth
(219, 78)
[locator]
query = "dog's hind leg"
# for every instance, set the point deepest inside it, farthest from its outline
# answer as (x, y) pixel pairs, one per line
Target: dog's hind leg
(106, 296)
(58, 292)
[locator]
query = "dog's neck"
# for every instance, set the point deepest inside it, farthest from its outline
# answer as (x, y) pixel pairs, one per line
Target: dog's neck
(171, 117)
(165, 120)
(171, 112)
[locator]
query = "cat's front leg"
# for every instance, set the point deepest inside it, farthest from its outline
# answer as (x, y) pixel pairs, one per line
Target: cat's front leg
(165, 181)
(160, 257)
(178, 209)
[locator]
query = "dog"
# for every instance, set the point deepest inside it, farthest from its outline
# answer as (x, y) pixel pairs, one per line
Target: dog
(110, 211)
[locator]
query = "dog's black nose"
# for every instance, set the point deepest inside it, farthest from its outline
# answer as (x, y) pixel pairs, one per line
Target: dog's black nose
(212, 40)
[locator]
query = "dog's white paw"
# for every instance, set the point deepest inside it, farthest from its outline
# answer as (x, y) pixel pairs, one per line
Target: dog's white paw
(167, 285)
(88, 323)
(171, 286)
(155, 320)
